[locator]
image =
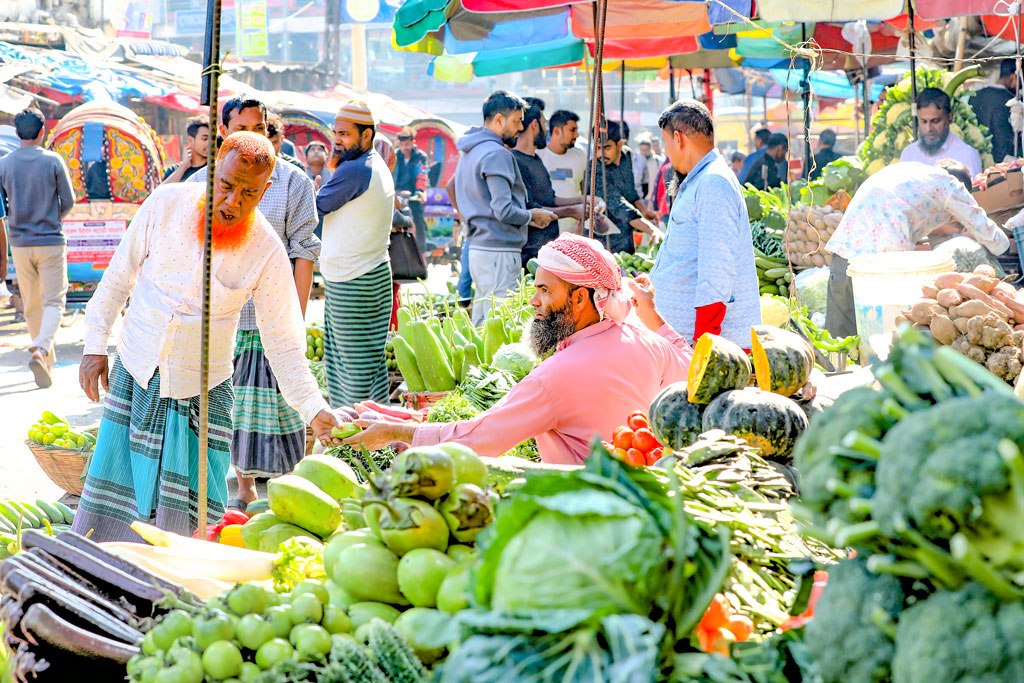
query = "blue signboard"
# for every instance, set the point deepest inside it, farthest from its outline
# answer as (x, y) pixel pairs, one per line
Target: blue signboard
(192, 22)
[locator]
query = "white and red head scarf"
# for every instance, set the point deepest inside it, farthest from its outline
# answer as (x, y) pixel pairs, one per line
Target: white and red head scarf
(584, 262)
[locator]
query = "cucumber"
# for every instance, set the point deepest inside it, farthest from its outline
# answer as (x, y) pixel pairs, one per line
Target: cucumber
(10, 513)
(788, 278)
(774, 273)
(31, 508)
(768, 289)
(66, 512)
(257, 506)
(52, 513)
(407, 365)
(434, 366)
(29, 520)
(768, 263)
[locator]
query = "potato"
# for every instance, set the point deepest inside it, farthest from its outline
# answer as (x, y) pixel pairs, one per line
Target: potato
(1017, 338)
(818, 260)
(943, 329)
(986, 270)
(983, 283)
(1000, 308)
(976, 353)
(930, 292)
(1004, 288)
(949, 298)
(975, 326)
(921, 312)
(961, 324)
(1019, 328)
(969, 309)
(947, 280)
(960, 344)
(972, 293)
(995, 333)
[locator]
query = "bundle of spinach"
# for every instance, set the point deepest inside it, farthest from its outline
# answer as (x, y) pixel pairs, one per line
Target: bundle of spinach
(591, 574)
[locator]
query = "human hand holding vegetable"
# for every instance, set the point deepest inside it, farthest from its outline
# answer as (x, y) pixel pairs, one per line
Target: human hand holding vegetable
(377, 434)
(322, 425)
(91, 373)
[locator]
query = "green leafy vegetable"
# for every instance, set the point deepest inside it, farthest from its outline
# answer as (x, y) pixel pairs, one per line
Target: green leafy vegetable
(297, 561)
(452, 408)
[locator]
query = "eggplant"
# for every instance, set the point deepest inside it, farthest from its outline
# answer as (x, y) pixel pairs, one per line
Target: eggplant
(87, 546)
(74, 610)
(111, 581)
(43, 626)
(30, 563)
(11, 613)
(39, 557)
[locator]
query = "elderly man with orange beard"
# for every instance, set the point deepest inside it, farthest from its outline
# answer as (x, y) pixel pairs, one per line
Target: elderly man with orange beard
(145, 466)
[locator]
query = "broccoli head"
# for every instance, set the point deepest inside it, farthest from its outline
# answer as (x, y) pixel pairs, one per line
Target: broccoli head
(964, 635)
(822, 462)
(845, 635)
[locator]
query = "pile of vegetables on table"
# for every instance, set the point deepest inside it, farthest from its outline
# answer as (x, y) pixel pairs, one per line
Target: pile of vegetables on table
(766, 211)
(641, 261)
(54, 431)
(773, 273)
(978, 316)
(436, 355)
(892, 126)
(314, 342)
(808, 230)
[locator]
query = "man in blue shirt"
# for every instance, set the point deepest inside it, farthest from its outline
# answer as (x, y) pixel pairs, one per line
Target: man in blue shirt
(704, 276)
(760, 147)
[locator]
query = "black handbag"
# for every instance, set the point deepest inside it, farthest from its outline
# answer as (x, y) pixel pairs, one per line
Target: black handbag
(407, 264)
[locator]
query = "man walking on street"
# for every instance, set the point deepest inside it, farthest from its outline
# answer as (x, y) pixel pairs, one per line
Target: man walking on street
(411, 182)
(357, 207)
(198, 130)
(565, 163)
(491, 198)
(704, 277)
(269, 435)
(36, 189)
(989, 105)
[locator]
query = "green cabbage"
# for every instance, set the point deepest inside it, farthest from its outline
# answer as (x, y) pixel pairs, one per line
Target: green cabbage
(514, 358)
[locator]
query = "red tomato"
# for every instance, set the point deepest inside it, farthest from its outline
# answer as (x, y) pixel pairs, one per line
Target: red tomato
(620, 453)
(623, 438)
(637, 420)
(644, 440)
(635, 457)
(655, 455)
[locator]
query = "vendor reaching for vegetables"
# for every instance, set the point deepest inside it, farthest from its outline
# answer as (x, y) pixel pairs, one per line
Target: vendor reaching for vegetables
(893, 210)
(603, 366)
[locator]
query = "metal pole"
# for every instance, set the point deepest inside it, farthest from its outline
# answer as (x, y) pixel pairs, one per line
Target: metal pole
(622, 91)
(805, 90)
(208, 95)
(913, 67)
(671, 82)
(867, 104)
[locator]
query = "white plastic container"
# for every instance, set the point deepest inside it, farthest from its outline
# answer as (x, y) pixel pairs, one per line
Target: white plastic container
(886, 284)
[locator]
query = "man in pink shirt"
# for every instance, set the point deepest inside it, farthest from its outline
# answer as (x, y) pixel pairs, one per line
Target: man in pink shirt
(604, 367)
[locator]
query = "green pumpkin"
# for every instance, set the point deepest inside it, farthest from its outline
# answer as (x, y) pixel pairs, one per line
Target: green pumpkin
(675, 421)
(717, 365)
(767, 421)
(782, 359)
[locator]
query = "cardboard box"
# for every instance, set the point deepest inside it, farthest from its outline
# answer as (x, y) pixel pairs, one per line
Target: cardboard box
(1002, 193)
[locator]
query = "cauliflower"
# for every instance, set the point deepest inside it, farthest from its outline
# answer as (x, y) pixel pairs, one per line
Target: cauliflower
(774, 311)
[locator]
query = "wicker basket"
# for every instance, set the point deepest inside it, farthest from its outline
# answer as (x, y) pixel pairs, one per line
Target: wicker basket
(64, 467)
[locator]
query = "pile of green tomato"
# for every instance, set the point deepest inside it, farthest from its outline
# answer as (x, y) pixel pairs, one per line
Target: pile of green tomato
(314, 342)
(240, 634)
(54, 431)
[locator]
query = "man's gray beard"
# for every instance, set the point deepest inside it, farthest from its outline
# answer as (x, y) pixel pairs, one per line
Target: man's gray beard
(931, 149)
(544, 335)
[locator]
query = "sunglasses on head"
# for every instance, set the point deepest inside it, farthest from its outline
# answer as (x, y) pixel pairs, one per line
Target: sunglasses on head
(405, 137)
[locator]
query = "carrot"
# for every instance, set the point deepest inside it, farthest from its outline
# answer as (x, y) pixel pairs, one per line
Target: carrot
(740, 626)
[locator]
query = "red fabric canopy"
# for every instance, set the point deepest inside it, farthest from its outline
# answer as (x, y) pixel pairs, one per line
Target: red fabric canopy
(643, 19)
(512, 5)
(943, 9)
(181, 102)
(638, 48)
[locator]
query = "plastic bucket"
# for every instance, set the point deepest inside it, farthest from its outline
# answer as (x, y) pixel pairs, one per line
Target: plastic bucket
(886, 284)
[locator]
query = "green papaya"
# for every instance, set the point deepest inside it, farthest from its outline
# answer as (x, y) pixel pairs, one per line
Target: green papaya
(332, 475)
(254, 528)
(272, 538)
(298, 501)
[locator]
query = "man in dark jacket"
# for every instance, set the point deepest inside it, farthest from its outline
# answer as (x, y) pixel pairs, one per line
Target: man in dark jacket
(411, 181)
(989, 106)
(824, 156)
(764, 174)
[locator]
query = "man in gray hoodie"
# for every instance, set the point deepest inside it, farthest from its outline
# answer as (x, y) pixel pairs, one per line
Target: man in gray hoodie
(491, 196)
(36, 188)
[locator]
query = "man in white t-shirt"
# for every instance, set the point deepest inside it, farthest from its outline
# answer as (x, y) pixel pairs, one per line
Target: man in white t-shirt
(565, 163)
